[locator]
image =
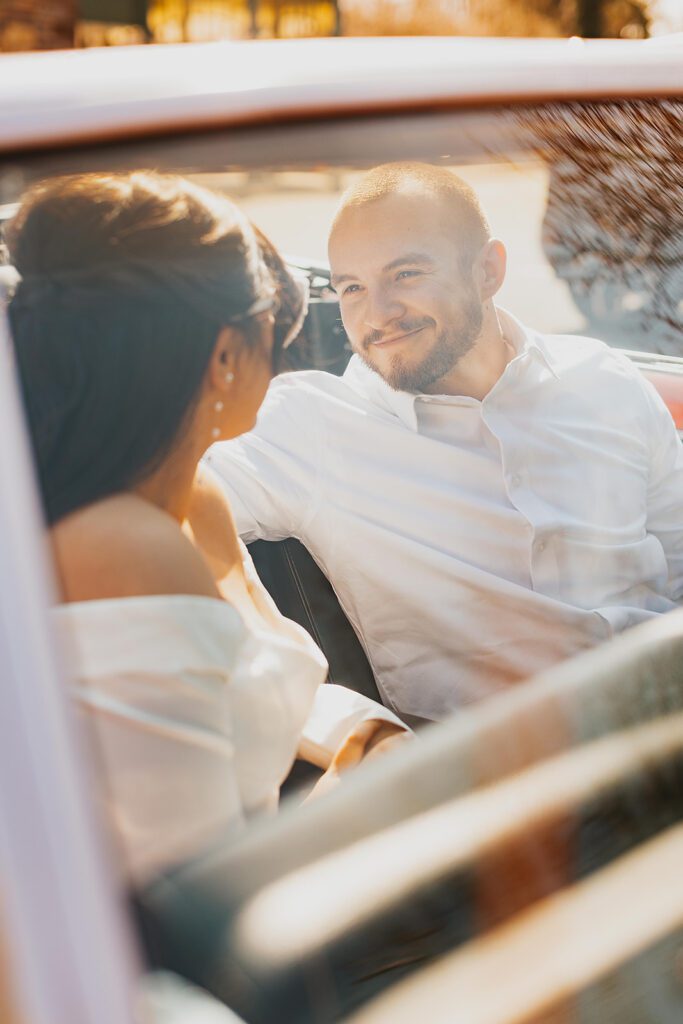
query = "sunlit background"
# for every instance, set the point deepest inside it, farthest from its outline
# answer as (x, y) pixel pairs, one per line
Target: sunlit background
(49, 24)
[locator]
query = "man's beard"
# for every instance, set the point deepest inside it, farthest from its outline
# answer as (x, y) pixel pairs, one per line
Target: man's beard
(450, 346)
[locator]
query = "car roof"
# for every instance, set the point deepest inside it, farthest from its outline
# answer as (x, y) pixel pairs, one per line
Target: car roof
(64, 98)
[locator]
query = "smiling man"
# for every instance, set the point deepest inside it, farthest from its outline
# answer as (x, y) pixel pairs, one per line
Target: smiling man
(485, 500)
(414, 278)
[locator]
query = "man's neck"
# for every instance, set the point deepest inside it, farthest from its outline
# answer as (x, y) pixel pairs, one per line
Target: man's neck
(475, 374)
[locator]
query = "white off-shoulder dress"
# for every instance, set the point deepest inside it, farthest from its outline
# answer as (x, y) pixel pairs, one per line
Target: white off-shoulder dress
(196, 719)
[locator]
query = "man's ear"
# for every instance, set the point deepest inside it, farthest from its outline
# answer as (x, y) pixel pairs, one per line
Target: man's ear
(489, 268)
(222, 368)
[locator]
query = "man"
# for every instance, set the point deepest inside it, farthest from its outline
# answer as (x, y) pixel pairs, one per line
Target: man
(485, 500)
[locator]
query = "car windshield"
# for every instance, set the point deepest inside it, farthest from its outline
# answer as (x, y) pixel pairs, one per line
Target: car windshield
(585, 196)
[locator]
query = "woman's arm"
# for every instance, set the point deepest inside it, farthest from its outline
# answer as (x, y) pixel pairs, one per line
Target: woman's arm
(213, 531)
(336, 713)
(212, 526)
(369, 739)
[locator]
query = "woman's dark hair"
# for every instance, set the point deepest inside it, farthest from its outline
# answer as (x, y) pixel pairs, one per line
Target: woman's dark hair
(126, 282)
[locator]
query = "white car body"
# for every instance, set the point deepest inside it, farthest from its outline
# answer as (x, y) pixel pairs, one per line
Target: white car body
(89, 95)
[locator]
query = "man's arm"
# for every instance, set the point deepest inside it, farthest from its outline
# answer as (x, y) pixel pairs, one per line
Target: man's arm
(665, 490)
(270, 476)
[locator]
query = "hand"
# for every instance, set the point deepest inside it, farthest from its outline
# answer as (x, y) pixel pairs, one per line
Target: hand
(388, 738)
(369, 739)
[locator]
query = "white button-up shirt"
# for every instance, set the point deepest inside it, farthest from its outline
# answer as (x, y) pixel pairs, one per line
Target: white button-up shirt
(472, 543)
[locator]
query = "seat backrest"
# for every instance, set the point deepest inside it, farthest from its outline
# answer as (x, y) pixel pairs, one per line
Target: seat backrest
(303, 593)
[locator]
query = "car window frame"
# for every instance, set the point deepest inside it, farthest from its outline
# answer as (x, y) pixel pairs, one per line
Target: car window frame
(72, 949)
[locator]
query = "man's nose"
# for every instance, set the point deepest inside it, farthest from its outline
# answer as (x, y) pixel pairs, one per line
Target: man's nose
(382, 307)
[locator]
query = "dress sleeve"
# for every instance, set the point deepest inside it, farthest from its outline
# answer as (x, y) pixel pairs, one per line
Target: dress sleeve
(271, 475)
(336, 710)
(167, 755)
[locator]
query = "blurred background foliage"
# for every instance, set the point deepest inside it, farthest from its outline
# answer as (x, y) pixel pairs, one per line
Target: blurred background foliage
(207, 18)
(176, 20)
(45, 24)
(497, 17)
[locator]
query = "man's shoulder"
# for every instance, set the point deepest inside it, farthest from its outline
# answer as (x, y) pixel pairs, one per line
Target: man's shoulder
(304, 394)
(297, 411)
(605, 379)
(572, 353)
(311, 384)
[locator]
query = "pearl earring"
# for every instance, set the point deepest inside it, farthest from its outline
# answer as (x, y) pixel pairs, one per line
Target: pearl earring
(229, 377)
(218, 406)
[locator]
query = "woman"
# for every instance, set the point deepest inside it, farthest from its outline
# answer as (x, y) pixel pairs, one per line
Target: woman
(147, 324)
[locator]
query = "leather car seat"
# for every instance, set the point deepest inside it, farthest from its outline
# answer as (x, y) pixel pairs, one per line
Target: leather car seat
(303, 593)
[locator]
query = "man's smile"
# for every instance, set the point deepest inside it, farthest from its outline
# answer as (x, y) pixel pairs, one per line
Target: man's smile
(395, 339)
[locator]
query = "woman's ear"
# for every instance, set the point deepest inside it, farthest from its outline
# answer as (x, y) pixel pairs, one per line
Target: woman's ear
(222, 365)
(489, 268)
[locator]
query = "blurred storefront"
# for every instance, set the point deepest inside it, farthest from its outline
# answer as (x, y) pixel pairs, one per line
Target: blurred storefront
(57, 24)
(194, 20)
(46, 24)
(37, 24)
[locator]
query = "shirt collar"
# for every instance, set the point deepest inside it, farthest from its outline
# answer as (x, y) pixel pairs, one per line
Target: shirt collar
(370, 385)
(525, 341)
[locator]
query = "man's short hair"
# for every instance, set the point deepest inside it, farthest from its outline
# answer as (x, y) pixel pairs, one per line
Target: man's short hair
(437, 182)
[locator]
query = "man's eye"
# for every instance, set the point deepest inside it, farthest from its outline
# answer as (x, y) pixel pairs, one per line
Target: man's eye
(351, 289)
(407, 273)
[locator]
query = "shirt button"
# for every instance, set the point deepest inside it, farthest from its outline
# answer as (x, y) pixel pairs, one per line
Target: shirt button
(515, 480)
(541, 546)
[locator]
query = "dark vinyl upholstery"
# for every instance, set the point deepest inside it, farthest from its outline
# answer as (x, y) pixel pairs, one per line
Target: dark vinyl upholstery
(303, 593)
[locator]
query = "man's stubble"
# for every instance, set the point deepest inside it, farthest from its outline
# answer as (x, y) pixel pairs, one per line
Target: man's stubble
(450, 346)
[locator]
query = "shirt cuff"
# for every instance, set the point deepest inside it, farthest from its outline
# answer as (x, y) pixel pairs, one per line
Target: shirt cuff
(336, 710)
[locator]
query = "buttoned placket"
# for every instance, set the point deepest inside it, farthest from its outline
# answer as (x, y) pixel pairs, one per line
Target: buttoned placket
(542, 554)
(542, 564)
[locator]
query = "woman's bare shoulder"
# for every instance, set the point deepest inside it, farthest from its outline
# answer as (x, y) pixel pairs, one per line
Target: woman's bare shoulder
(125, 547)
